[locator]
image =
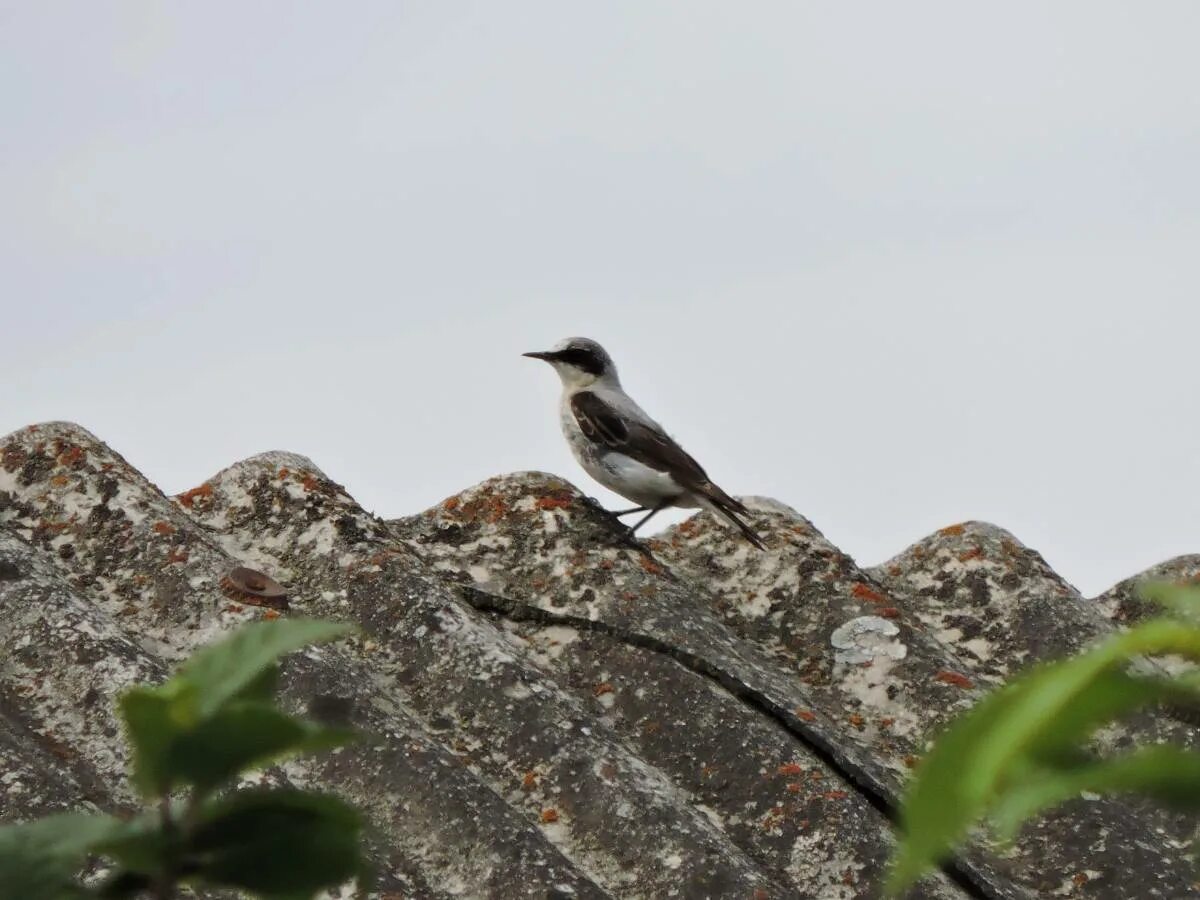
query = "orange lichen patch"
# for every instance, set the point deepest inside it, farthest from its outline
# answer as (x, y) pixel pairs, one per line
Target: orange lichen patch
(806, 715)
(189, 498)
(857, 721)
(1080, 879)
(284, 471)
(58, 748)
(947, 677)
(12, 458)
(529, 780)
(687, 527)
(650, 565)
(554, 501)
(60, 480)
(887, 722)
(71, 456)
(834, 795)
(888, 612)
(968, 555)
(773, 818)
(309, 482)
(952, 530)
(164, 528)
(910, 761)
(270, 614)
(794, 787)
(492, 509)
(894, 571)
(790, 769)
(496, 510)
(602, 688)
(866, 592)
(549, 815)
(761, 894)
(450, 504)
(178, 555)
(232, 608)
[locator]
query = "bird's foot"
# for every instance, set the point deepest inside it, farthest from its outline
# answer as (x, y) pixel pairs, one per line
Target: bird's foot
(626, 537)
(614, 514)
(595, 504)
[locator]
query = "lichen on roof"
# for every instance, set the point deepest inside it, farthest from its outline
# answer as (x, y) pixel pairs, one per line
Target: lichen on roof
(555, 713)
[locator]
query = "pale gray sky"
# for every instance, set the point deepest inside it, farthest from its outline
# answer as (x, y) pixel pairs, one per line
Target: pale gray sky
(896, 265)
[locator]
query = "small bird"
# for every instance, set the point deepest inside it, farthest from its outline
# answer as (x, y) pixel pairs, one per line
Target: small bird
(624, 449)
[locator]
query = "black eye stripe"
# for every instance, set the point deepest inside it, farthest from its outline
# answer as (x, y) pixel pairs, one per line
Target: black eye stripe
(582, 358)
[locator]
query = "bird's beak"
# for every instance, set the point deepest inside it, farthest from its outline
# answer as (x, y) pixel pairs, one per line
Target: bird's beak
(539, 354)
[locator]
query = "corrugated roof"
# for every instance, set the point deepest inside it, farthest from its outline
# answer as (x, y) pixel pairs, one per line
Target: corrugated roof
(557, 714)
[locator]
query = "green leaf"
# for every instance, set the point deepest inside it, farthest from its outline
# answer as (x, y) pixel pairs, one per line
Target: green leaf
(152, 726)
(278, 843)
(1107, 696)
(1169, 774)
(38, 860)
(160, 720)
(939, 806)
(241, 736)
(262, 687)
(1039, 718)
(224, 670)
(142, 846)
(1182, 600)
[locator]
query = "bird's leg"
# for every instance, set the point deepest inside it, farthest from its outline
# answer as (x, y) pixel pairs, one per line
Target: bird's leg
(628, 536)
(658, 507)
(617, 513)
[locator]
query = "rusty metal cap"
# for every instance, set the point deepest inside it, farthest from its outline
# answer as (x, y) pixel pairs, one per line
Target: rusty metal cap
(253, 587)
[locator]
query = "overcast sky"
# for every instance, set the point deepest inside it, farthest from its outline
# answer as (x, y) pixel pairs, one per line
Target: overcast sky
(895, 264)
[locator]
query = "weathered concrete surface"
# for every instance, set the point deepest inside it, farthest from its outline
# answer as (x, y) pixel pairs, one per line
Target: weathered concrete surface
(1121, 602)
(555, 715)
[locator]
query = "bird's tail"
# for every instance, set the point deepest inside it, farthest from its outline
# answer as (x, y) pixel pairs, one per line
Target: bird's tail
(732, 510)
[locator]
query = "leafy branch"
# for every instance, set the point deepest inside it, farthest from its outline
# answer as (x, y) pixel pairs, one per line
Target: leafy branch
(191, 737)
(1023, 748)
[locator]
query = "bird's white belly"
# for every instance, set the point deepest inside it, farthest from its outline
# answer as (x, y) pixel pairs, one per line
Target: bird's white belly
(636, 481)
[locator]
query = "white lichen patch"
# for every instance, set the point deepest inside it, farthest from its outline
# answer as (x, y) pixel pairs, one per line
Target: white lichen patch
(824, 866)
(670, 859)
(866, 638)
(980, 647)
(318, 537)
(518, 690)
(873, 686)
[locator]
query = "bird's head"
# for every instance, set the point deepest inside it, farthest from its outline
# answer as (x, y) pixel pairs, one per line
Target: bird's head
(579, 362)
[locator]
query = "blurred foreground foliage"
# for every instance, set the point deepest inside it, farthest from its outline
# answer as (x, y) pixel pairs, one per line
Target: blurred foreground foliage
(1023, 748)
(191, 738)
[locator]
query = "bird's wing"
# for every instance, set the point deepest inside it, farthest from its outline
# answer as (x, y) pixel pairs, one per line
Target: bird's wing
(650, 446)
(604, 425)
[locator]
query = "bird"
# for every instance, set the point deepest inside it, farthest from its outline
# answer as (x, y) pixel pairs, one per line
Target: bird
(620, 446)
